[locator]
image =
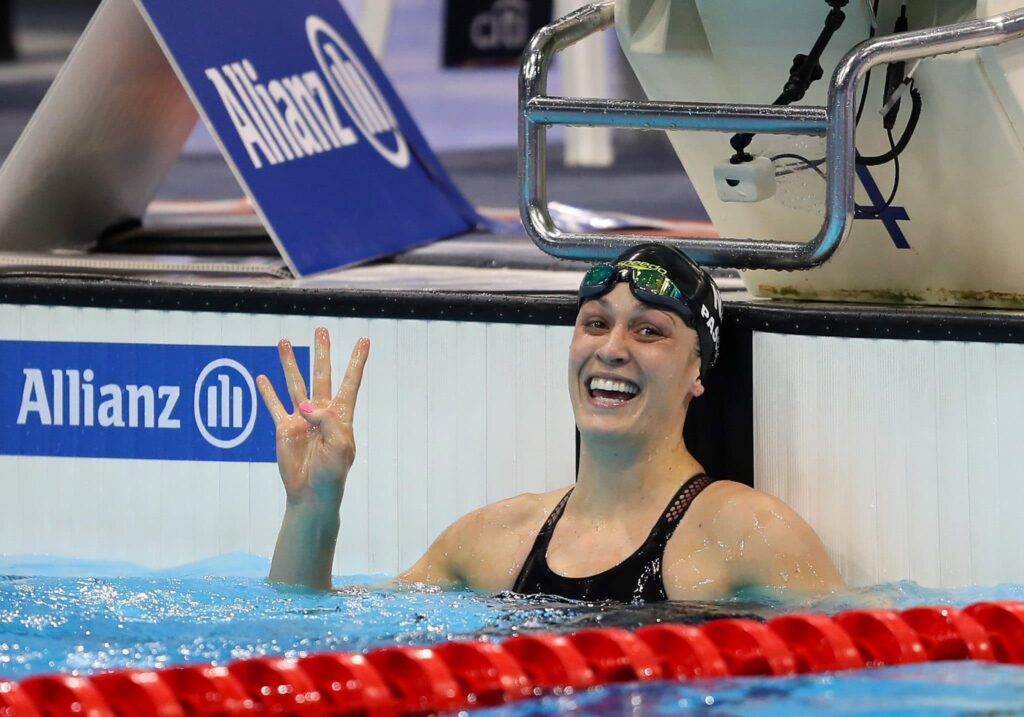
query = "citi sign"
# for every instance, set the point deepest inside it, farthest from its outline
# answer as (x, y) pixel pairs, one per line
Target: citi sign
(289, 118)
(170, 402)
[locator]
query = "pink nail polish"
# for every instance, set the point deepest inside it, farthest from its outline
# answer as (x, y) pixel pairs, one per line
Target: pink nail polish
(306, 407)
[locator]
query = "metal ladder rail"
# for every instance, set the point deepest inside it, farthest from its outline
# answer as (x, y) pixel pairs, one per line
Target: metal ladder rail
(836, 122)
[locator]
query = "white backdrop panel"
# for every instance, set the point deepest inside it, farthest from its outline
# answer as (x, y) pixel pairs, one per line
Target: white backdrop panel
(451, 415)
(905, 456)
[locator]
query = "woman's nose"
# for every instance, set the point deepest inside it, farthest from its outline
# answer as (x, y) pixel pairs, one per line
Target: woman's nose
(614, 351)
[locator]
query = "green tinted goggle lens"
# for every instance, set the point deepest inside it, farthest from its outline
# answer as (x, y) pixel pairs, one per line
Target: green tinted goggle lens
(656, 283)
(598, 275)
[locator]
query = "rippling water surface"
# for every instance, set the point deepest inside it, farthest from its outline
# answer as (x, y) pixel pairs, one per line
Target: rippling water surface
(52, 618)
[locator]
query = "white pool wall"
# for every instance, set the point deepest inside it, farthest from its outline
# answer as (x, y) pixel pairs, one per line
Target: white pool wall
(907, 457)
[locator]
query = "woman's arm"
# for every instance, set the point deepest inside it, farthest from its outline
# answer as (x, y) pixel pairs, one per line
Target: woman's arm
(315, 450)
(437, 566)
(772, 546)
(740, 538)
(484, 550)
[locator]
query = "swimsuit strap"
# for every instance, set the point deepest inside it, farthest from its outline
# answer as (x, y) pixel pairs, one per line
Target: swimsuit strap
(540, 545)
(665, 528)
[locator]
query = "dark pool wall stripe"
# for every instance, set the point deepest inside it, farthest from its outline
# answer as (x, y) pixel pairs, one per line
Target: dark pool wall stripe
(456, 675)
(923, 323)
(803, 318)
(507, 308)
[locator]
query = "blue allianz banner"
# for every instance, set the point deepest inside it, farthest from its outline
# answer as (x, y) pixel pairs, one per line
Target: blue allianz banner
(167, 402)
(313, 129)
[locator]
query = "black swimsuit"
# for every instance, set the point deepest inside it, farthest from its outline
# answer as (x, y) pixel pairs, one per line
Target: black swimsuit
(635, 579)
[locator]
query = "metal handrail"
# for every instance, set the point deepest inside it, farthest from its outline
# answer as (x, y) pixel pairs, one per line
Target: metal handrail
(836, 122)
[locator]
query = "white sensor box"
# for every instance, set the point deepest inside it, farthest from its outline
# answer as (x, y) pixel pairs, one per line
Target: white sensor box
(751, 181)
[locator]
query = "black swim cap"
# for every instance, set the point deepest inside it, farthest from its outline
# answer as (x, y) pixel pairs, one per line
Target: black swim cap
(697, 301)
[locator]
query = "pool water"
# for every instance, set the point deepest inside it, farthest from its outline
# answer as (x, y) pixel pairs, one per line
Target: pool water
(54, 620)
(942, 689)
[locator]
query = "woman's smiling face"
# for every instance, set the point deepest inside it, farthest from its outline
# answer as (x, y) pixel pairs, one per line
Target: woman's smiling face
(633, 368)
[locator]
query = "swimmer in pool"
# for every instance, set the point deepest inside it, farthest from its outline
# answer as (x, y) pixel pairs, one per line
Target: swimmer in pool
(642, 523)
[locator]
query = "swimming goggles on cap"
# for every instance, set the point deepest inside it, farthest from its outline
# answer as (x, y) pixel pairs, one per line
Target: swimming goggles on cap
(649, 283)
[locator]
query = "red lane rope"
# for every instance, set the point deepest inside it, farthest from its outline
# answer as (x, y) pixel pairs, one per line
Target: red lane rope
(394, 681)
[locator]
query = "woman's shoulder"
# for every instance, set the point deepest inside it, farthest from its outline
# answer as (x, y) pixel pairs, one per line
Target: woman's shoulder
(727, 512)
(728, 491)
(487, 547)
(726, 507)
(524, 511)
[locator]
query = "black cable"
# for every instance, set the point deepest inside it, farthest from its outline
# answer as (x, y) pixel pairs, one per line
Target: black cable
(805, 70)
(867, 77)
(895, 148)
(814, 164)
(863, 98)
(802, 70)
(877, 211)
(895, 76)
(908, 132)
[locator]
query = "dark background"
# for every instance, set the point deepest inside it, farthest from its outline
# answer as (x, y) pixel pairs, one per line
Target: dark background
(461, 16)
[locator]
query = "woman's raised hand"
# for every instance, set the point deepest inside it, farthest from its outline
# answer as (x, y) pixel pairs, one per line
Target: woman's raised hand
(315, 445)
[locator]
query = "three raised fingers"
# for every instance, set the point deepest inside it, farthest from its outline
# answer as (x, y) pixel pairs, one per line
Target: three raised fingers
(344, 401)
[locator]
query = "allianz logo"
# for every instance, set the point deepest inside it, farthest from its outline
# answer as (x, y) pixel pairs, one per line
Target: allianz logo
(224, 402)
(289, 118)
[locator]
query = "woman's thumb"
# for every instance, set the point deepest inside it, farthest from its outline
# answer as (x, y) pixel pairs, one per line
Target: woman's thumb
(309, 412)
(323, 419)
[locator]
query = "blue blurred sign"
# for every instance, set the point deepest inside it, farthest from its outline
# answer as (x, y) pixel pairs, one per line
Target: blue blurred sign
(167, 402)
(313, 129)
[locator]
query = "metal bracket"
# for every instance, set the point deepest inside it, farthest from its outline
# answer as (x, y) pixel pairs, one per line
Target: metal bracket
(836, 123)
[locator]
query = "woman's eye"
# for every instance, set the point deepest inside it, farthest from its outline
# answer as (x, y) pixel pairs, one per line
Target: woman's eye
(596, 324)
(649, 331)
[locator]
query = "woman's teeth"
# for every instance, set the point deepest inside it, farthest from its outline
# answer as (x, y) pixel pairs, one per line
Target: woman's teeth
(607, 388)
